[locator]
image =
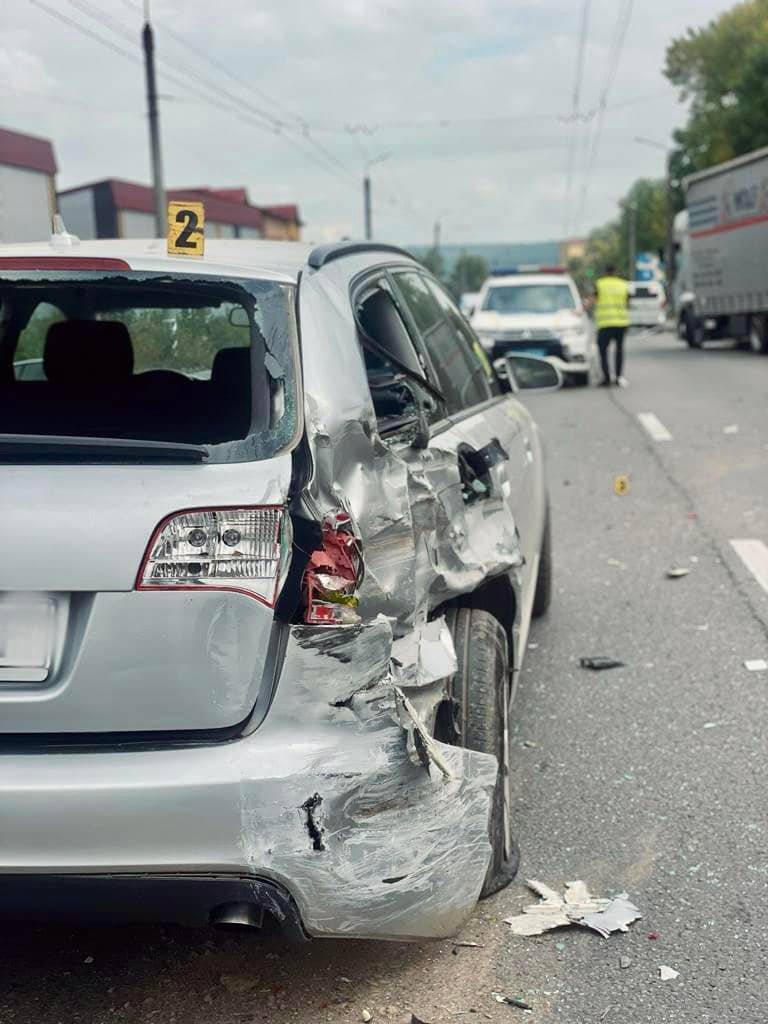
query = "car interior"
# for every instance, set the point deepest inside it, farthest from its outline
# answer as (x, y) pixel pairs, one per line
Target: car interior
(91, 386)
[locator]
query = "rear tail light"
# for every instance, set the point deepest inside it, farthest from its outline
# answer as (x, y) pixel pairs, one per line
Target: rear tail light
(241, 549)
(333, 574)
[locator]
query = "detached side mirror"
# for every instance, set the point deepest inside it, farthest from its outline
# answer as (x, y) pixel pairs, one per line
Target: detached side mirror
(528, 373)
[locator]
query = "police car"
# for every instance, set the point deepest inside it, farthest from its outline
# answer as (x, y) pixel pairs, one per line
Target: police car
(536, 310)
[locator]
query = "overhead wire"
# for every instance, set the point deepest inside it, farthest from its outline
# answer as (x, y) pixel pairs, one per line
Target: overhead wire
(613, 62)
(575, 112)
(299, 136)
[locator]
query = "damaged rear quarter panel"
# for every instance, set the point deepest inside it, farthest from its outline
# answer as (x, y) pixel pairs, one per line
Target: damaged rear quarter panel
(382, 831)
(369, 841)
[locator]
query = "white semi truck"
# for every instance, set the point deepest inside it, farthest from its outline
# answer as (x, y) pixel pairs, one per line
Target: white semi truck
(720, 287)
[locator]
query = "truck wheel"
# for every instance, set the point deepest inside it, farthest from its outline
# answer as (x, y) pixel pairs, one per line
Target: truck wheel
(694, 331)
(758, 334)
(542, 598)
(480, 690)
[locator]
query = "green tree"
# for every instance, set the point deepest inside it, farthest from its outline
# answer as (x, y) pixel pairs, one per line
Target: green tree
(469, 272)
(722, 69)
(610, 243)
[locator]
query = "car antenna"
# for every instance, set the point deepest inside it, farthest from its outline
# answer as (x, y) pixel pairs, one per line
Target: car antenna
(60, 237)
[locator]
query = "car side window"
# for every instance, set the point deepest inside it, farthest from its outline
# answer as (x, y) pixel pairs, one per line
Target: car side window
(460, 375)
(468, 340)
(392, 393)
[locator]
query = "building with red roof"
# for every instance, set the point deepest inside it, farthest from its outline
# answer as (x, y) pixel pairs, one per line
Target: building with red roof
(27, 187)
(114, 208)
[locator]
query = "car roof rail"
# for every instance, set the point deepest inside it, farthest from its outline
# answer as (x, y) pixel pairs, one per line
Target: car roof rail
(323, 254)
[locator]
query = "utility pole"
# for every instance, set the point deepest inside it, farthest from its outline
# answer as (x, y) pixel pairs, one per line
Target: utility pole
(367, 206)
(148, 44)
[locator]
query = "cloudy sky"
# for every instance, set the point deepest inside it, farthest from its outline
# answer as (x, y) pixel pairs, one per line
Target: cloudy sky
(463, 103)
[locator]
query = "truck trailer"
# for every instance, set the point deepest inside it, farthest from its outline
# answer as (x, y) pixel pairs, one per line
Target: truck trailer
(721, 254)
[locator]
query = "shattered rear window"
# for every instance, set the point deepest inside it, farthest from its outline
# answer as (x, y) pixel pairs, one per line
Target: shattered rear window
(149, 357)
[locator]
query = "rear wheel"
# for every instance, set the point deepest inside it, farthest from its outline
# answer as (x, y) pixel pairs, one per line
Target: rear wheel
(758, 334)
(694, 330)
(480, 691)
(580, 380)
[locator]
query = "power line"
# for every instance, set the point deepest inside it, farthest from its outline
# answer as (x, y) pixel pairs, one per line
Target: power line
(623, 19)
(576, 110)
(206, 98)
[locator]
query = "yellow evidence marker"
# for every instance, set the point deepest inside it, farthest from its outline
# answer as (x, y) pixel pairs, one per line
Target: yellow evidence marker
(186, 223)
(620, 485)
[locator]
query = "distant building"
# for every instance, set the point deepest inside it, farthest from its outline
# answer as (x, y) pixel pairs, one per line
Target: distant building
(27, 187)
(124, 209)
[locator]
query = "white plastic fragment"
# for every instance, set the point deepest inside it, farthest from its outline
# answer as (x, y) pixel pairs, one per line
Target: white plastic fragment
(576, 906)
(732, 428)
(676, 571)
(756, 665)
(366, 1015)
(668, 973)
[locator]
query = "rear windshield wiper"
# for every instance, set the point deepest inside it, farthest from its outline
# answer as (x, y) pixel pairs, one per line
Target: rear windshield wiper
(40, 448)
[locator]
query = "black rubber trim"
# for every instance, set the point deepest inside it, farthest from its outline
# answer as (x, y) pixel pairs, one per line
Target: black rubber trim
(142, 898)
(324, 254)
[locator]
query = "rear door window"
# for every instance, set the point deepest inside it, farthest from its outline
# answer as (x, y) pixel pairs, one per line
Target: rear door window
(461, 376)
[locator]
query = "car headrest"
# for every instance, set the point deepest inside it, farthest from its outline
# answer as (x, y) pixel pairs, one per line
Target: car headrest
(88, 351)
(232, 368)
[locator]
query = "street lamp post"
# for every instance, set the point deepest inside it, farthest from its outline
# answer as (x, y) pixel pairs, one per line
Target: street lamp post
(669, 249)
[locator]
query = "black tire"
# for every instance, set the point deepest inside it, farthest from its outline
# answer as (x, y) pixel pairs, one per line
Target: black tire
(694, 331)
(542, 597)
(758, 334)
(480, 691)
(580, 380)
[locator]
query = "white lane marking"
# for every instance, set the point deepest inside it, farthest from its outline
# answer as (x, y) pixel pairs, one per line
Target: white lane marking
(654, 426)
(754, 554)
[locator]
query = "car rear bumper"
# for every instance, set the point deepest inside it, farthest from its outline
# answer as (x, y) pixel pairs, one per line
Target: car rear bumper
(322, 802)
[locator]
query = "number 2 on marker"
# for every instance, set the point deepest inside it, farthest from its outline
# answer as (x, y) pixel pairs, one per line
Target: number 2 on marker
(186, 222)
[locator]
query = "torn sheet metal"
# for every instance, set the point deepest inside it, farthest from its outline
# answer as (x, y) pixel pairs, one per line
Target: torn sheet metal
(370, 843)
(576, 906)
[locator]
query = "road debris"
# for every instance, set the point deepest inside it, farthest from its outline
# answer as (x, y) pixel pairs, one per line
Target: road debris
(676, 571)
(511, 1001)
(624, 962)
(576, 906)
(620, 485)
(756, 665)
(600, 663)
(469, 945)
(366, 1015)
(616, 563)
(668, 973)
(732, 428)
(417, 1020)
(653, 936)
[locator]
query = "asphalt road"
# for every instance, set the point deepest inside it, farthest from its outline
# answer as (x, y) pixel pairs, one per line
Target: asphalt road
(648, 778)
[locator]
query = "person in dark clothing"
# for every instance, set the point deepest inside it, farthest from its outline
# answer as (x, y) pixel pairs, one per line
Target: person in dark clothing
(612, 319)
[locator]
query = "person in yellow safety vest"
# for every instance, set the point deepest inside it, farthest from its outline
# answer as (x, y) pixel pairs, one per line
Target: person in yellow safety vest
(611, 306)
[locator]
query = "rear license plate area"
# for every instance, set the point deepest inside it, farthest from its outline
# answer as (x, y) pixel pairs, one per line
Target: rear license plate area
(27, 637)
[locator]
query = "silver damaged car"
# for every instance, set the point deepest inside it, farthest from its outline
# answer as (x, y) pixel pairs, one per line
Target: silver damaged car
(272, 537)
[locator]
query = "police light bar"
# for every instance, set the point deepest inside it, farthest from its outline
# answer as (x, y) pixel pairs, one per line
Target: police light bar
(526, 268)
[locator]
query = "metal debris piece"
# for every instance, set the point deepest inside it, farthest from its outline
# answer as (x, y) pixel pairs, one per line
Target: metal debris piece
(511, 1001)
(668, 973)
(599, 663)
(576, 906)
(676, 571)
(756, 665)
